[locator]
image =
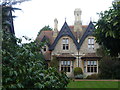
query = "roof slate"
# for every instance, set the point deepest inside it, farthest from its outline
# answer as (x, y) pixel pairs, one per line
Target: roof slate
(65, 31)
(46, 34)
(88, 31)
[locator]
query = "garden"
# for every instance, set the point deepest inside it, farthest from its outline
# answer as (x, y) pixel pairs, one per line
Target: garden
(23, 65)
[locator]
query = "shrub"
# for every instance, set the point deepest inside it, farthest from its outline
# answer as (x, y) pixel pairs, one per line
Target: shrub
(23, 66)
(80, 76)
(54, 63)
(92, 76)
(78, 71)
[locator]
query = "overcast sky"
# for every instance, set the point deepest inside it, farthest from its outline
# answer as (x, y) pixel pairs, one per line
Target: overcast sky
(36, 14)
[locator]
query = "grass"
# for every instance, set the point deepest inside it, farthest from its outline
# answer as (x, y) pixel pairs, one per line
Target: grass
(93, 84)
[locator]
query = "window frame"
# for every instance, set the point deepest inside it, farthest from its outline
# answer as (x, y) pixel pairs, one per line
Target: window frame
(90, 66)
(65, 44)
(66, 66)
(91, 43)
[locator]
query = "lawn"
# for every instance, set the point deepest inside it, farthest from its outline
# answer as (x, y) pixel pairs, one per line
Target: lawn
(93, 84)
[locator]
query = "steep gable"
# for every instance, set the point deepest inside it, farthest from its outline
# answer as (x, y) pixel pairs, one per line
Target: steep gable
(88, 31)
(65, 31)
(46, 35)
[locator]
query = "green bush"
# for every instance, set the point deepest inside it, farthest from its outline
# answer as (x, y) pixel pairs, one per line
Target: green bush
(80, 76)
(23, 66)
(92, 76)
(78, 71)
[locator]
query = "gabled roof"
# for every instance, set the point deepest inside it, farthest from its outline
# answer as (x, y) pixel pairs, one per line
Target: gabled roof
(46, 35)
(88, 31)
(45, 39)
(65, 31)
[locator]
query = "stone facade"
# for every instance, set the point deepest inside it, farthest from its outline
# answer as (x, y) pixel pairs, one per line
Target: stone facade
(74, 46)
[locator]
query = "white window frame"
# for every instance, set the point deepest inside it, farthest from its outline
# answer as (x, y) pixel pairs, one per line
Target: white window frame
(66, 66)
(65, 44)
(91, 42)
(90, 66)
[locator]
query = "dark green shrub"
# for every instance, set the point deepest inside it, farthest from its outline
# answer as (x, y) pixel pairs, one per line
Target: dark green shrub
(92, 76)
(78, 71)
(80, 76)
(23, 66)
(54, 63)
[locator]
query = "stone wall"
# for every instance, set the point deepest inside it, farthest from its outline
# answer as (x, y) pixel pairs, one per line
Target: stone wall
(59, 49)
(84, 48)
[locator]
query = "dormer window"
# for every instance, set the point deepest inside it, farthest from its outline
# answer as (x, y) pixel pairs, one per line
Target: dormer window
(45, 48)
(90, 43)
(65, 44)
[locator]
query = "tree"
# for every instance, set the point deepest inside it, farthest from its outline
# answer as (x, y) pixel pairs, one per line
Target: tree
(108, 66)
(45, 28)
(23, 66)
(54, 63)
(107, 31)
(7, 17)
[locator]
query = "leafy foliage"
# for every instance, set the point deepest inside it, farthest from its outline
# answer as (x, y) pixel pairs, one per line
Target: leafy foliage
(78, 71)
(45, 28)
(108, 66)
(7, 16)
(108, 30)
(92, 76)
(13, 2)
(54, 63)
(24, 66)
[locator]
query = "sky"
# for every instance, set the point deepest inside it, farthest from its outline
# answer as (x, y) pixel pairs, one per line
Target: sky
(35, 14)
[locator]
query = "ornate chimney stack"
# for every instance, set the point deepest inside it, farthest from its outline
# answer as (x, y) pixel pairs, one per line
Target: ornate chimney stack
(77, 23)
(55, 33)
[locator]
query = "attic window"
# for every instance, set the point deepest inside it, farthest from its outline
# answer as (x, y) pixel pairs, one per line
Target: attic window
(45, 48)
(65, 44)
(90, 43)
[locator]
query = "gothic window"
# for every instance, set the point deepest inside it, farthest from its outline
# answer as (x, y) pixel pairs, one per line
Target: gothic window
(65, 66)
(91, 43)
(90, 66)
(65, 44)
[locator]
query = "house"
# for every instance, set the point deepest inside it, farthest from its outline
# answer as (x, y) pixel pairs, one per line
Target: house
(73, 46)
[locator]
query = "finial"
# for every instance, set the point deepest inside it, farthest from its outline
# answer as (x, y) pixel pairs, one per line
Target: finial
(65, 19)
(90, 19)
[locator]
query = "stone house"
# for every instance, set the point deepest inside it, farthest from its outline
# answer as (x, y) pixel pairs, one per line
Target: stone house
(74, 46)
